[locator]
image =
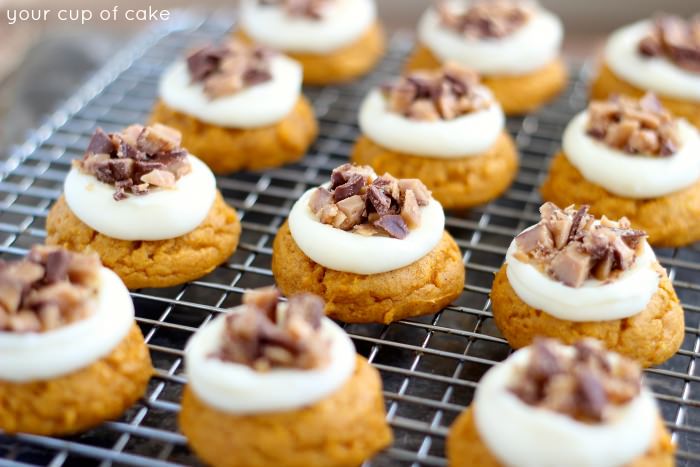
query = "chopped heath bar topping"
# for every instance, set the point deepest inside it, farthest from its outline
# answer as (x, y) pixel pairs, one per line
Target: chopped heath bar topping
(309, 9)
(486, 19)
(635, 126)
(49, 288)
(585, 384)
(676, 39)
(137, 160)
(571, 246)
(268, 334)
(444, 94)
(359, 201)
(230, 67)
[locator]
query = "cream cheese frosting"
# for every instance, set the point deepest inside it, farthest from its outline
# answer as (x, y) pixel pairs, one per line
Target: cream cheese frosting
(651, 73)
(595, 300)
(341, 250)
(343, 22)
(529, 48)
(537, 437)
(256, 106)
(633, 176)
(468, 135)
(51, 354)
(160, 214)
(237, 388)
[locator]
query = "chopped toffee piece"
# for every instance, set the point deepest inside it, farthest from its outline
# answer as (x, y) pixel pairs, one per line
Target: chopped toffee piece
(230, 67)
(308, 9)
(137, 160)
(635, 126)
(443, 94)
(268, 334)
(485, 19)
(676, 39)
(581, 381)
(571, 246)
(361, 202)
(49, 288)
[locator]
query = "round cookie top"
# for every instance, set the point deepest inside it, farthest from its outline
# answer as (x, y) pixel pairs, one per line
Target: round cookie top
(590, 401)
(239, 361)
(496, 38)
(359, 216)
(59, 311)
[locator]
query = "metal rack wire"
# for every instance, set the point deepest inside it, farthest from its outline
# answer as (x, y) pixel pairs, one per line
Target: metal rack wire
(430, 366)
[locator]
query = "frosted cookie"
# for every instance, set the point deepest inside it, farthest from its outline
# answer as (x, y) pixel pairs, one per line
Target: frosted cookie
(631, 158)
(514, 45)
(443, 127)
(374, 247)
(147, 206)
(334, 40)
(238, 107)
(561, 404)
(279, 384)
(572, 276)
(660, 55)
(72, 356)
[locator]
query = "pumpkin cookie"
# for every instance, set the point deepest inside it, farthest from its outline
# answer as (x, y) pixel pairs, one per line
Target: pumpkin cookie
(571, 276)
(238, 107)
(660, 55)
(72, 355)
(331, 411)
(147, 207)
(592, 401)
(631, 158)
(513, 45)
(442, 127)
(374, 247)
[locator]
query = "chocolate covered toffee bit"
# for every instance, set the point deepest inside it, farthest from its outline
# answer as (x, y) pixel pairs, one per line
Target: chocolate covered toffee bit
(488, 19)
(358, 201)
(582, 381)
(310, 9)
(676, 39)
(48, 289)
(443, 94)
(570, 246)
(136, 160)
(268, 334)
(229, 67)
(635, 126)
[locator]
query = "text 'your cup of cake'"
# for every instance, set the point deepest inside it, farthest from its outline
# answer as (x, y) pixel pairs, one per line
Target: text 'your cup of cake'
(443, 127)
(279, 384)
(661, 55)
(631, 158)
(147, 206)
(514, 45)
(551, 405)
(374, 247)
(238, 106)
(334, 40)
(72, 355)
(572, 276)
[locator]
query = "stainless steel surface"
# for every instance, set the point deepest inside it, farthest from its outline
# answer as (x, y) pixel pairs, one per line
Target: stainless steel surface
(430, 366)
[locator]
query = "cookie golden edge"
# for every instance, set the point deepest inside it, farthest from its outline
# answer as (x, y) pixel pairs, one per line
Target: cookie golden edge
(456, 183)
(227, 150)
(81, 400)
(670, 221)
(343, 429)
(159, 263)
(606, 82)
(517, 94)
(421, 288)
(465, 447)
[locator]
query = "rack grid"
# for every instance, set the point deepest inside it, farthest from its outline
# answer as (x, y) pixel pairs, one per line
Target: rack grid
(430, 366)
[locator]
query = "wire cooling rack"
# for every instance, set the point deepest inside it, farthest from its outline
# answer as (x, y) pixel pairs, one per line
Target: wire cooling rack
(430, 366)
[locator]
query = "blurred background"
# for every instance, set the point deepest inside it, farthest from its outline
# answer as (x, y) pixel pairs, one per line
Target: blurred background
(43, 62)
